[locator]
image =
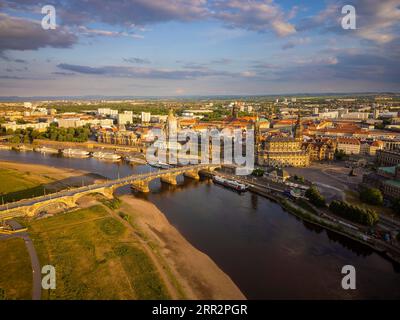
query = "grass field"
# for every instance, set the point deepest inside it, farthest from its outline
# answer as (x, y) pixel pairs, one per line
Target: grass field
(19, 185)
(15, 270)
(17, 180)
(95, 257)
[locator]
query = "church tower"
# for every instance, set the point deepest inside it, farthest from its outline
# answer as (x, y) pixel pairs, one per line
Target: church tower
(298, 129)
(257, 141)
(171, 128)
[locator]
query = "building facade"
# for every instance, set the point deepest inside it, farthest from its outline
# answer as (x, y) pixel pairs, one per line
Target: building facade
(284, 151)
(387, 157)
(321, 149)
(349, 145)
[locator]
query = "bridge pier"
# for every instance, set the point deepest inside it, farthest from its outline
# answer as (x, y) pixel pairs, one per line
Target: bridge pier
(170, 179)
(141, 186)
(192, 175)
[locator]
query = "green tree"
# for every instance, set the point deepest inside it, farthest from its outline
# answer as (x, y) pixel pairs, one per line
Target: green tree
(315, 197)
(340, 155)
(258, 172)
(354, 213)
(371, 196)
(15, 139)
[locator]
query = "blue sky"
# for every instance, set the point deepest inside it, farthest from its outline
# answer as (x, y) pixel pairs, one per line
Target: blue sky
(198, 47)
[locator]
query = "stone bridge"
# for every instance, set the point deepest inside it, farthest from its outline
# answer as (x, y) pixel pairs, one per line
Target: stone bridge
(68, 198)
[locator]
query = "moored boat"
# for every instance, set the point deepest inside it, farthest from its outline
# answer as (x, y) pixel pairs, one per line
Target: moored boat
(134, 160)
(160, 165)
(24, 148)
(47, 150)
(230, 184)
(106, 156)
(75, 153)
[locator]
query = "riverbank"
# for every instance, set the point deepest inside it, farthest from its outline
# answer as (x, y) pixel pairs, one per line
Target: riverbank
(199, 276)
(379, 246)
(389, 251)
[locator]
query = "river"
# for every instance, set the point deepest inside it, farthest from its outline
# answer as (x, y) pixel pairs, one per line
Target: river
(268, 253)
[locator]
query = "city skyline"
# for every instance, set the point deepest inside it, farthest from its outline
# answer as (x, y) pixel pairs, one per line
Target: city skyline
(198, 47)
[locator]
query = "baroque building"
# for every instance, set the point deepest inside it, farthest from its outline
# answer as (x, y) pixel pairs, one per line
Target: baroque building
(321, 149)
(280, 151)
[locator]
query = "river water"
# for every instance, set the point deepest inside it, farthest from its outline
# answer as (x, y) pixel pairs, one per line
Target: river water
(267, 252)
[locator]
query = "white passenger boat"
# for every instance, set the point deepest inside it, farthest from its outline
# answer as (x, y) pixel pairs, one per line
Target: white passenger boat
(230, 184)
(160, 165)
(47, 150)
(106, 156)
(76, 153)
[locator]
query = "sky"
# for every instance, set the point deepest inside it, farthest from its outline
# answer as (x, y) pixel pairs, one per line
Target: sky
(198, 47)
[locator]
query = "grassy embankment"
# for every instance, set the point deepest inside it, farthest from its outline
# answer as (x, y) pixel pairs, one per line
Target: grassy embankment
(95, 257)
(15, 270)
(19, 185)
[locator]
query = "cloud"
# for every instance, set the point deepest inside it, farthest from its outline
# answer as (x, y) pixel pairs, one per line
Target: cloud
(221, 61)
(106, 33)
(255, 15)
(135, 60)
(146, 73)
(133, 12)
(377, 21)
(358, 67)
(58, 73)
(24, 34)
(295, 42)
(262, 15)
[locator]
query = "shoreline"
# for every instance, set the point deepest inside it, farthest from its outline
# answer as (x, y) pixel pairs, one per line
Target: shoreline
(208, 282)
(285, 204)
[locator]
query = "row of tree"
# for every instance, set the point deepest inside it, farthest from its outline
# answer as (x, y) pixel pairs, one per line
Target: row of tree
(80, 134)
(55, 133)
(354, 213)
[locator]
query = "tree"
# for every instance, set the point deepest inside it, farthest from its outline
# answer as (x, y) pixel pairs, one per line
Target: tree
(354, 213)
(15, 139)
(299, 178)
(371, 196)
(258, 172)
(315, 197)
(340, 155)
